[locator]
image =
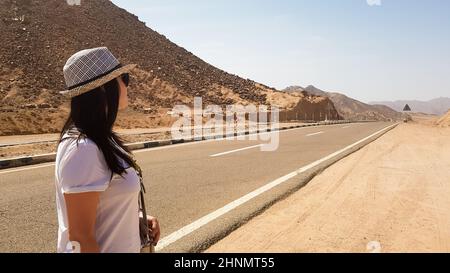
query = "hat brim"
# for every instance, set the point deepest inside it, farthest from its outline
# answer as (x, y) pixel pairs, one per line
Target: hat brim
(98, 82)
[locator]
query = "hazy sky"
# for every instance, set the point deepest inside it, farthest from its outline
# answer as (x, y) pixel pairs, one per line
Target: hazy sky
(392, 49)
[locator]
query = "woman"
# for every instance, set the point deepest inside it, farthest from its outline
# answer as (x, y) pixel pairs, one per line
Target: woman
(97, 185)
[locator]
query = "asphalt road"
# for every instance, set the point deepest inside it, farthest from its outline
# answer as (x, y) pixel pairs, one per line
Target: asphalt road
(184, 182)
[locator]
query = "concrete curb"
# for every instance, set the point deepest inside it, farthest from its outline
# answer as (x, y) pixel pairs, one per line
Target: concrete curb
(206, 236)
(27, 160)
(46, 158)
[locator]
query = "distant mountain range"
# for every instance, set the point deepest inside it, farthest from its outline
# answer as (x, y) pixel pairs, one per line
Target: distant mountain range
(350, 108)
(438, 106)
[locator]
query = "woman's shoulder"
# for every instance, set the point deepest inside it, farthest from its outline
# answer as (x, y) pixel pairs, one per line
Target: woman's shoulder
(81, 166)
(81, 154)
(82, 141)
(71, 145)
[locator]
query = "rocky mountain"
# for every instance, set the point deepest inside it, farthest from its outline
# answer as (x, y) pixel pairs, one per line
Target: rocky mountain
(350, 108)
(39, 36)
(438, 106)
(304, 106)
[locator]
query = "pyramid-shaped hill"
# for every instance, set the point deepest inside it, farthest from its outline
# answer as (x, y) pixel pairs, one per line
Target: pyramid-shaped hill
(349, 108)
(39, 36)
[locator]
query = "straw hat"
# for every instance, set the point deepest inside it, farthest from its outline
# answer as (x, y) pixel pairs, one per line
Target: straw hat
(91, 68)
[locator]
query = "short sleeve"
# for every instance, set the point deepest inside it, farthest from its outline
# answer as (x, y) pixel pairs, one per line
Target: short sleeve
(84, 170)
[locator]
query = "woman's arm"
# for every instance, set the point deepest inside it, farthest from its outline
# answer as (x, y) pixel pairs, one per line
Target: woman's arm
(82, 212)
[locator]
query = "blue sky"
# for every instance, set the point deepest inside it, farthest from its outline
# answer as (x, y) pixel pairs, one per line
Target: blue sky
(397, 50)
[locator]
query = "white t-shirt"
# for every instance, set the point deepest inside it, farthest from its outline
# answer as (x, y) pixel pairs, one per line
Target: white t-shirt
(83, 169)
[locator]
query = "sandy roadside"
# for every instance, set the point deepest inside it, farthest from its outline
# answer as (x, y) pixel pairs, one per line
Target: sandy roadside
(45, 148)
(395, 191)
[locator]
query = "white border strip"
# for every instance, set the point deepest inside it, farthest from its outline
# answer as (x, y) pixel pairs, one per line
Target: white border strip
(186, 230)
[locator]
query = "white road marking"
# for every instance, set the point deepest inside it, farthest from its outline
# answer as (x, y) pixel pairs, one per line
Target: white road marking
(315, 134)
(345, 127)
(222, 139)
(177, 235)
(237, 150)
(161, 148)
(165, 147)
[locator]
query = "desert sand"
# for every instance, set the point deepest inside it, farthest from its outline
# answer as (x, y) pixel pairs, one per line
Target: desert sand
(391, 196)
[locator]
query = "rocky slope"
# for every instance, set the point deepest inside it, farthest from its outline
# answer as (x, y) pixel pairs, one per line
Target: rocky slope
(39, 36)
(350, 108)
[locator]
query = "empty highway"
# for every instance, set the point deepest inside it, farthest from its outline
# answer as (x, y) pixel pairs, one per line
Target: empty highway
(184, 182)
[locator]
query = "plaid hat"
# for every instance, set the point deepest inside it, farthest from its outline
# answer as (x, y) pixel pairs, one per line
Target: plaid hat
(91, 68)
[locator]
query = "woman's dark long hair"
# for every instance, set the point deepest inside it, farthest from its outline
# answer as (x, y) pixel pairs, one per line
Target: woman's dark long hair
(93, 115)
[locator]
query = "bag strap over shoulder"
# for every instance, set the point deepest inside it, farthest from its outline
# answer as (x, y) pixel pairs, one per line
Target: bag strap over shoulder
(146, 240)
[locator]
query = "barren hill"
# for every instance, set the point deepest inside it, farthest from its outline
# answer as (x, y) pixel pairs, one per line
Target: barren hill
(39, 36)
(350, 108)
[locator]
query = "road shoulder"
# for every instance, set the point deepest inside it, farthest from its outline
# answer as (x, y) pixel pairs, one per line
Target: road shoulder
(392, 193)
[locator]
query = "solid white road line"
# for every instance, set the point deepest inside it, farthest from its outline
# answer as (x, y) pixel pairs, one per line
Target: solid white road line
(345, 127)
(315, 134)
(186, 230)
(237, 150)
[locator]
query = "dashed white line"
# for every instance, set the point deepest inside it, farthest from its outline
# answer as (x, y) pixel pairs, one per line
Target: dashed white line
(184, 231)
(237, 150)
(158, 148)
(225, 139)
(315, 134)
